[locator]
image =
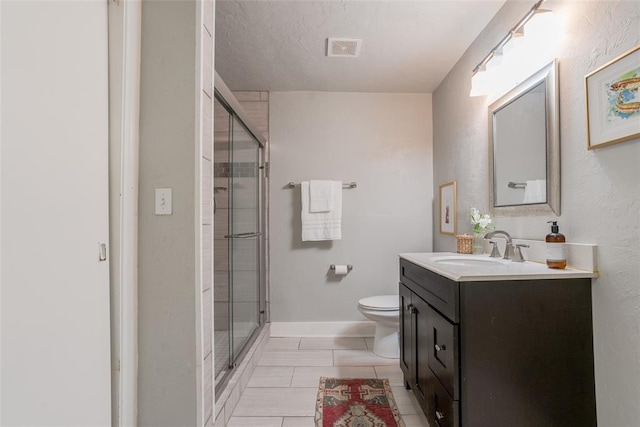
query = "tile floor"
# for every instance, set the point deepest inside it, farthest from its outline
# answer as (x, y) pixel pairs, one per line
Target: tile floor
(283, 388)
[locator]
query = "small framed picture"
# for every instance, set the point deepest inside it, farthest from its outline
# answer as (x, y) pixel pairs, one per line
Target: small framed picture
(448, 208)
(613, 101)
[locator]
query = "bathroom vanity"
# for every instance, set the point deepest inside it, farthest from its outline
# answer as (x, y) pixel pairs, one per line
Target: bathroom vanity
(488, 342)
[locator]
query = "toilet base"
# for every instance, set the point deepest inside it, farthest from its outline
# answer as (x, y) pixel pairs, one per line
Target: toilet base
(386, 342)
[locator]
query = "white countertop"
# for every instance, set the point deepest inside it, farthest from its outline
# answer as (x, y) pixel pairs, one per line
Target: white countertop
(485, 271)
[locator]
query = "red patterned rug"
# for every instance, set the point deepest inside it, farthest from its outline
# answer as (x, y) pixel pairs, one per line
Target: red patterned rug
(356, 402)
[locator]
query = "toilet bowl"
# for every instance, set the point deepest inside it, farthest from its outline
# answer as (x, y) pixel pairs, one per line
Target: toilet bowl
(385, 311)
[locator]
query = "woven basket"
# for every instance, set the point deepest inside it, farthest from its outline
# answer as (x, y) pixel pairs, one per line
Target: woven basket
(465, 243)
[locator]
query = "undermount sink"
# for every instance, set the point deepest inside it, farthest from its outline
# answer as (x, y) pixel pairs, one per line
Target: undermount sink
(467, 260)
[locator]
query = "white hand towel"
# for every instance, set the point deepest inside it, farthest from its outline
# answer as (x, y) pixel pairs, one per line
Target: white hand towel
(321, 196)
(535, 191)
(321, 225)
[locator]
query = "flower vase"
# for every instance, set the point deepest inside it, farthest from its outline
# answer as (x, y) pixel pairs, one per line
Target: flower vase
(478, 243)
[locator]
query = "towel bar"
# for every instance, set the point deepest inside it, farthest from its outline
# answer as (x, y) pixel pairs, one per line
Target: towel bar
(243, 235)
(517, 184)
(344, 184)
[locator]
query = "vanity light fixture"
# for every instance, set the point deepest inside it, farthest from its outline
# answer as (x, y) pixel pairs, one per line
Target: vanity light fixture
(527, 47)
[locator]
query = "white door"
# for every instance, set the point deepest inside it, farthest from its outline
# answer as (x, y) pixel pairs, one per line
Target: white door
(54, 359)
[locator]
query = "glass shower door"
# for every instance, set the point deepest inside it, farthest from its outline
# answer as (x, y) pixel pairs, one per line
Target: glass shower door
(245, 236)
(221, 203)
(239, 264)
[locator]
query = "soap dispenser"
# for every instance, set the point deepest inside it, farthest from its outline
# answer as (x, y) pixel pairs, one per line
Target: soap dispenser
(555, 247)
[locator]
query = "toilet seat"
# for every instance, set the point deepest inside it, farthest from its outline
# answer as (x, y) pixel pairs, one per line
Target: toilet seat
(380, 303)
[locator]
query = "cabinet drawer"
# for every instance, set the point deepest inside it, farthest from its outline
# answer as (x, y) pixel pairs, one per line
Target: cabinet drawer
(436, 290)
(443, 411)
(443, 351)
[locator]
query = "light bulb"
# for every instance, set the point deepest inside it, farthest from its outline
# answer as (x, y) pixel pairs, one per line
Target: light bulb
(513, 44)
(479, 84)
(543, 29)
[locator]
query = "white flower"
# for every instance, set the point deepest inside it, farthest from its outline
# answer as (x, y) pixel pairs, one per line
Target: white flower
(481, 222)
(485, 221)
(475, 216)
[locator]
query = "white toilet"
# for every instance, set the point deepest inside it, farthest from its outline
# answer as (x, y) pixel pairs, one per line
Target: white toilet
(385, 311)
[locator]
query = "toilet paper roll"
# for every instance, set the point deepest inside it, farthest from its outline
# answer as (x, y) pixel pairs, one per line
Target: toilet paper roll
(341, 270)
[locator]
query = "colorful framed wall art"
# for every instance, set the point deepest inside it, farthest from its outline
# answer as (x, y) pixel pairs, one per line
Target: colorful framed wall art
(613, 101)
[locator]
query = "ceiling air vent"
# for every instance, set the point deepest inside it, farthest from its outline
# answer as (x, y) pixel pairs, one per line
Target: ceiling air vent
(346, 48)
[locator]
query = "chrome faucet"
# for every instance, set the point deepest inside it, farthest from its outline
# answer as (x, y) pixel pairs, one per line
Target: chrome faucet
(508, 249)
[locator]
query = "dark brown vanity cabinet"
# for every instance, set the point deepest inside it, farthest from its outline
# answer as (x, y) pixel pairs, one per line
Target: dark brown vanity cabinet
(497, 353)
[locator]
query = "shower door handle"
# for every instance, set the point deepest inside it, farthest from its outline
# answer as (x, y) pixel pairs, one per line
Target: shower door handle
(243, 235)
(217, 190)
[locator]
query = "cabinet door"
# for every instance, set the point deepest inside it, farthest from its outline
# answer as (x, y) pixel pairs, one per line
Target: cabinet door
(421, 348)
(406, 360)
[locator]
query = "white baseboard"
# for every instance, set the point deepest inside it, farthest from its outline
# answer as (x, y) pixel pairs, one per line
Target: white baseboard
(323, 329)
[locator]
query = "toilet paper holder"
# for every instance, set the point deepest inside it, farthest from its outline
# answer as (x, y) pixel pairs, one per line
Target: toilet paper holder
(332, 267)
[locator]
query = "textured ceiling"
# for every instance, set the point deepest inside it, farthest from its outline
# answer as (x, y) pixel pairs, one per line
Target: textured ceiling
(408, 46)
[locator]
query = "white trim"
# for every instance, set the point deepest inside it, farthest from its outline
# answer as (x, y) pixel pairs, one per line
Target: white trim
(323, 329)
(128, 408)
(0, 209)
(199, 96)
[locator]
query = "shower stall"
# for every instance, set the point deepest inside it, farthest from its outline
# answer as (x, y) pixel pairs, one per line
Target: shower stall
(239, 241)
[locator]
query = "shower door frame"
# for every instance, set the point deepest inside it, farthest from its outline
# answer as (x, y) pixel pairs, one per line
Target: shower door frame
(225, 97)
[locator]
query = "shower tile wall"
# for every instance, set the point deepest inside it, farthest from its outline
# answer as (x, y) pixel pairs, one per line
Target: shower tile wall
(256, 105)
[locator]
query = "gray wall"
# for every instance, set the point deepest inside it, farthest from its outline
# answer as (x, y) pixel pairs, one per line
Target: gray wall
(600, 189)
(167, 269)
(382, 141)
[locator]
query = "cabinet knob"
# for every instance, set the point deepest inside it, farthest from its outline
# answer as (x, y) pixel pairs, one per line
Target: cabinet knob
(440, 347)
(439, 415)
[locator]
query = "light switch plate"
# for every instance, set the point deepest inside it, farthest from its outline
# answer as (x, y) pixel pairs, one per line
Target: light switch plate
(164, 201)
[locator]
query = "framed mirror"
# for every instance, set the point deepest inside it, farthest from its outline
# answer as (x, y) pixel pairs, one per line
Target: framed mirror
(524, 148)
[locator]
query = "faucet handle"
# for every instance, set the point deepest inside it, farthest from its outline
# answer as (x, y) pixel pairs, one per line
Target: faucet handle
(517, 252)
(495, 252)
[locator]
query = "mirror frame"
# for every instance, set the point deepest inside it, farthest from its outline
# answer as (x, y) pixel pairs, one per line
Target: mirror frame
(549, 74)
